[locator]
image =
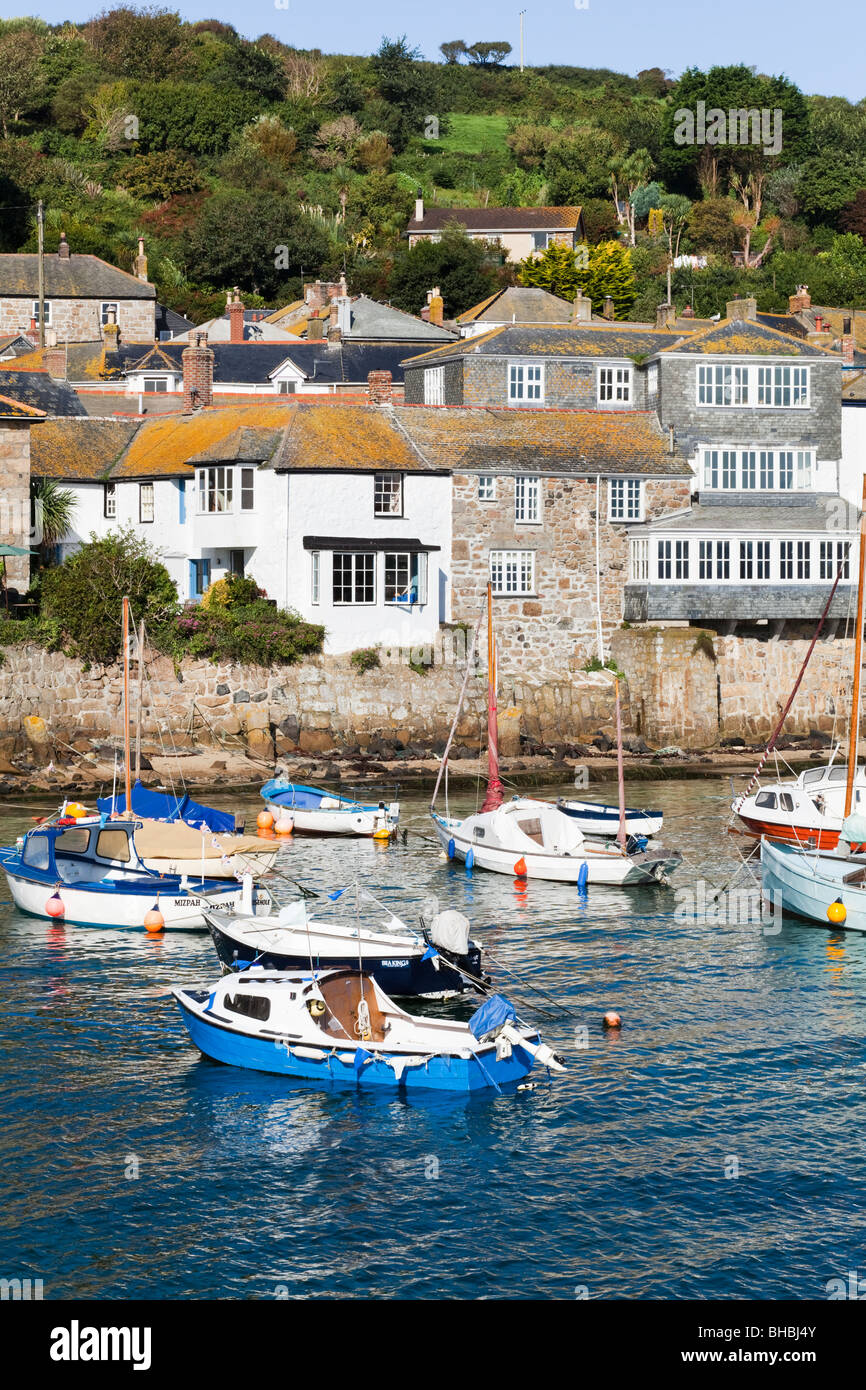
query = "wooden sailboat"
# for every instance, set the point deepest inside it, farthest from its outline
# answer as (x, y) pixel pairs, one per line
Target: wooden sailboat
(828, 887)
(527, 837)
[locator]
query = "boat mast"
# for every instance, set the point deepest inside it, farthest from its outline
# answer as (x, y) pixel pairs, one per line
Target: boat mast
(126, 757)
(495, 789)
(854, 730)
(620, 774)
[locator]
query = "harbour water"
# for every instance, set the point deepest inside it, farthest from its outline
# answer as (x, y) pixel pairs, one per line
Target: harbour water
(711, 1149)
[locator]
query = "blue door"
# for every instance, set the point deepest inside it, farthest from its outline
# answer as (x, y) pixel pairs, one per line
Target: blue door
(199, 578)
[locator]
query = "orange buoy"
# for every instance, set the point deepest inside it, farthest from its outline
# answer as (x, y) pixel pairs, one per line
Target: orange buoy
(520, 868)
(154, 922)
(285, 824)
(264, 820)
(54, 907)
(612, 1020)
(837, 912)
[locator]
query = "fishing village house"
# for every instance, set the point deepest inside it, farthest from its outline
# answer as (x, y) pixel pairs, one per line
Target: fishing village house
(81, 293)
(518, 232)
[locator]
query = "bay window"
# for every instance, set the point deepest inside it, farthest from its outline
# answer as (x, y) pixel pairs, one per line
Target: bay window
(215, 489)
(406, 577)
(354, 577)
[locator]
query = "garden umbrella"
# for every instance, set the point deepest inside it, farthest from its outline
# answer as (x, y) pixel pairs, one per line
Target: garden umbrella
(10, 550)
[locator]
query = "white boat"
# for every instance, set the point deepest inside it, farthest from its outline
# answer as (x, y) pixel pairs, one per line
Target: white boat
(807, 810)
(340, 1027)
(528, 838)
(316, 811)
(813, 886)
(91, 875)
(595, 818)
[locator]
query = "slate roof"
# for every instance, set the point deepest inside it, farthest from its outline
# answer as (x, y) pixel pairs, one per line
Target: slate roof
(519, 304)
(815, 515)
(599, 339)
(82, 450)
(75, 277)
(16, 410)
(219, 331)
(39, 390)
(374, 321)
(783, 323)
(499, 219)
(168, 321)
(581, 442)
(745, 337)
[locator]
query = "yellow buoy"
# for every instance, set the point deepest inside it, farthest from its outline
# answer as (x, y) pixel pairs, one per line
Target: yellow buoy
(76, 810)
(383, 833)
(837, 912)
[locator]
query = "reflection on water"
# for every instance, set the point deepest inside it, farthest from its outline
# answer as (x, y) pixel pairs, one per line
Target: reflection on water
(740, 1041)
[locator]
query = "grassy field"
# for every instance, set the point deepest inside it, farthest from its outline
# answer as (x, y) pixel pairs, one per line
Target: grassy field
(472, 134)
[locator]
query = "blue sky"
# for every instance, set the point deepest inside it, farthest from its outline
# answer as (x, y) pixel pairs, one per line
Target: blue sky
(817, 43)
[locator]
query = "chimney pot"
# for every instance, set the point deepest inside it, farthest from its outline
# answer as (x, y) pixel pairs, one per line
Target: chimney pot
(799, 301)
(63, 249)
(419, 206)
(608, 307)
(380, 388)
(197, 362)
(582, 311)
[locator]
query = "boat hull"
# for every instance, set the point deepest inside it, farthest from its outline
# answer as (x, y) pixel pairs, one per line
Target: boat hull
(806, 886)
(327, 1067)
(182, 910)
(405, 973)
(607, 867)
(806, 837)
(339, 822)
(604, 820)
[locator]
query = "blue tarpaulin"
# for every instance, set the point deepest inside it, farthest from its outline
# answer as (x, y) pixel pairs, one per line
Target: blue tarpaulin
(162, 806)
(493, 1013)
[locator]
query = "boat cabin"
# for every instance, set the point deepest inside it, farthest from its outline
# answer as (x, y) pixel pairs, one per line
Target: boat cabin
(84, 852)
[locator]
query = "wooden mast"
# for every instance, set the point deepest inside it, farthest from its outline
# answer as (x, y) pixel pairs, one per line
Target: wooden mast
(495, 790)
(854, 729)
(620, 774)
(126, 751)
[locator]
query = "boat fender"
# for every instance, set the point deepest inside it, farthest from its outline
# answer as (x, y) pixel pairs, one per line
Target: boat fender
(582, 877)
(837, 912)
(154, 922)
(451, 848)
(470, 859)
(54, 907)
(264, 820)
(520, 868)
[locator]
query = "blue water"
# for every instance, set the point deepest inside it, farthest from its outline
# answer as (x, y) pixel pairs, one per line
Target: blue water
(132, 1168)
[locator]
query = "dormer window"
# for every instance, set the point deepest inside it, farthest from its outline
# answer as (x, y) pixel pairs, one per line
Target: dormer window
(525, 383)
(614, 385)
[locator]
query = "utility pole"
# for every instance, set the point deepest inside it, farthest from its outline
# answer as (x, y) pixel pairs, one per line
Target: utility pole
(522, 14)
(40, 227)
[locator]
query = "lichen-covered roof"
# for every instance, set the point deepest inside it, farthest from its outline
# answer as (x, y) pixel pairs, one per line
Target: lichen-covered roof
(597, 339)
(75, 277)
(38, 389)
(745, 337)
(16, 410)
(82, 450)
(246, 444)
(542, 441)
(163, 446)
(347, 436)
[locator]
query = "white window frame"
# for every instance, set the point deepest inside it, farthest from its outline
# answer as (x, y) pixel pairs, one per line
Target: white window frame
(381, 492)
(526, 383)
(215, 481)
(415, 564)
(527, 499)
(315, 577)
(247, 490)
(639, 561)
(104, 307)
(354, 556)
(770, 386)
(832, 554)
(625, 499)
(614, 385)
(652, 379)
(516, 565)
(109, 500)
(434, 385)
(757, 470)
(152, 385)
(48, 314)
(146, 503)
(486, 487)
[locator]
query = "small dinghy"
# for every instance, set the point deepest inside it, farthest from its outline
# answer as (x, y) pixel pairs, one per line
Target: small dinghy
(89, 873)
(429, 963)
(319, 812)
(340, 1027)
(594, 818)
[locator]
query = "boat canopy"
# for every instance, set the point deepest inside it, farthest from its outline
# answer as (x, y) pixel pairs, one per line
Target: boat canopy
(163, 806)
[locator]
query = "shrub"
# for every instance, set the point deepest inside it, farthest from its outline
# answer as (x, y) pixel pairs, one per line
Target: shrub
(256, 632)
(367, 659)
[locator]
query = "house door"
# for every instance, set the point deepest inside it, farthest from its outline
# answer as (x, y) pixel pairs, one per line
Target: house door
(199, 578)
(236, 562)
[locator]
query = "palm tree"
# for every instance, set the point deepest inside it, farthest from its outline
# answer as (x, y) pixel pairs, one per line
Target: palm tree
(53, 509)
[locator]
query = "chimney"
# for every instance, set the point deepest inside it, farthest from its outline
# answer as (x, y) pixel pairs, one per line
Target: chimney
(419, 206)
(197, 361)
(335, 332)
(666, 315)
(608, 307)
(344, 286)
(315, 328)
(799, 301)
(313, 295)
(111, 332)
(425, 312)
(54, 361)
(436, 306)
(582, 311)
(63, 249)
(847, 346)
(344, 315)
(741, 309)
(141, 261)
(236, 318)
(379, 388)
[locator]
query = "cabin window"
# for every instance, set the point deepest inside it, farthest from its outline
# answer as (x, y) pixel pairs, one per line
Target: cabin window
(36, 852)
(766, 800)
(354, 577)
(786, 801)
(527, 499)
(109, 499)
(113, 844)
(257, 1006)
(406, 577)
(145, 502)
(72, 841)
(388, 494)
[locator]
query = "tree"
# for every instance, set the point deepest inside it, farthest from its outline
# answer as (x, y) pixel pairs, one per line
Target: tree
(149, 44)
(337, 142)
(460, 266)
(627, 175)
(53, 510)
(555, 271)
(488, 55)
(711, 226)
(406, 86)
(84, 595)
(254, 240)
(159, 176)
(452, 52)
(577, 165)
(187, 116)
(610, 272)
(853, 218)
(275, 141)
(20, 75)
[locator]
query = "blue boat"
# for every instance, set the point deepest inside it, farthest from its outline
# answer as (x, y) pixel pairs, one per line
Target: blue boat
(151, 805)
(88, 873)
(339, 1027)
(316, 811)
